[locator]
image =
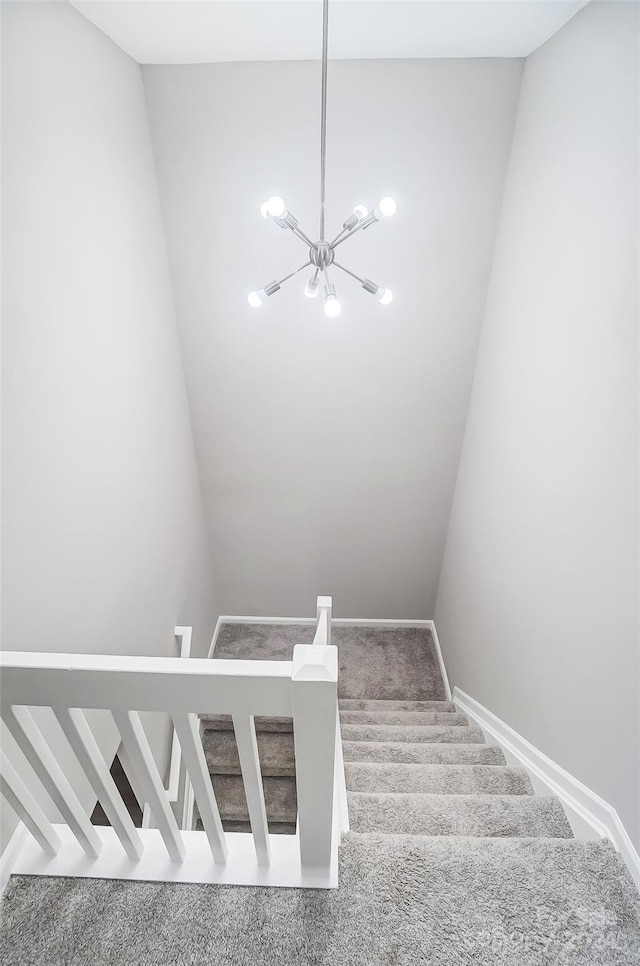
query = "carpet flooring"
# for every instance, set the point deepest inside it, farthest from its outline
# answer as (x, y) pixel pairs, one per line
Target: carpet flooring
(438, 901)
(387, 663)
(451, 859)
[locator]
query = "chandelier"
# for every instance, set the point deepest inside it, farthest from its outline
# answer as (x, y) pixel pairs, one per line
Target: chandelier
(322, 254)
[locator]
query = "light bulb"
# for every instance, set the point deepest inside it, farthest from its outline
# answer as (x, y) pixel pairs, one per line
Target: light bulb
(387, 207)
(332, 307)
(361, 211)
(385, 295)
(311, 288)
(255, 299)
(275, 206)
(264, 209)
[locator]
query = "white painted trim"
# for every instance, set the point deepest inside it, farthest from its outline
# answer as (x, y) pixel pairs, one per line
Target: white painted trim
(198, 866)
(443, 670)
(593, 810)
(356, 621)
(214, 639)
(11, 854)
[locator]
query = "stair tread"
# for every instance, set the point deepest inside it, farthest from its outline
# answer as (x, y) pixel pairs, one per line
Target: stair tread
(384, 704)
(422, 752)
(275, 751)
(279, 798)
(275, 828)
(412, 733)
(473, 815)
(224, 722)
(420, 719)
(466, 779)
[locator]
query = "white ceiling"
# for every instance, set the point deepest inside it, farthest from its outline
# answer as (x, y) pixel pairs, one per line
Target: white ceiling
(208, 31)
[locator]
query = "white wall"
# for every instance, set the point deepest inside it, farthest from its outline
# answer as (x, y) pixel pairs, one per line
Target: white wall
(328, 449)
(104, 542)
(537, 608)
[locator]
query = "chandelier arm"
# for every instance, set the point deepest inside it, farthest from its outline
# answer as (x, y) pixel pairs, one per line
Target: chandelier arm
(349, 272)
(335, 240)
(323, 113)
(298, 232)
(301, 269)
(362, 224)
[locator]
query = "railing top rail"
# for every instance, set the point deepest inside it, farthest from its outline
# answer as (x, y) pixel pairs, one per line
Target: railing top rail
(170, 684)
(189, 667)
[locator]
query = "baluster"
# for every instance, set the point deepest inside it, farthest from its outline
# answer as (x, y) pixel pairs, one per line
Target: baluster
(325, 606)
(35, 749)
(244, 727)
(84, 745)
(186, 726)
(26, 808)
(137, 746)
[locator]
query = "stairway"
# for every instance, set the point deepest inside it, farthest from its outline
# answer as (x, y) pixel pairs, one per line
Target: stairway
(451, 859)
(413, 765)
(390, 662)
(423, 770)
(277, 763)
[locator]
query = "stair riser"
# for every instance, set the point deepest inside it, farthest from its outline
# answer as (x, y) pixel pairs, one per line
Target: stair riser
(472, 815)
(275, 750)
(405, 718)
(393, 733)
(425, 753)
(358, 704)
(279, 798)
(223, 722)
(438, 779)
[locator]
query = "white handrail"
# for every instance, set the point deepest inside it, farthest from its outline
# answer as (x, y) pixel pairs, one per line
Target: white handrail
(304, 689)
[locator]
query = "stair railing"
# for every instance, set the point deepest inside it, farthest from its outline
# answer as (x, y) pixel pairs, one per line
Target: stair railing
(178, 785)
(305, 689)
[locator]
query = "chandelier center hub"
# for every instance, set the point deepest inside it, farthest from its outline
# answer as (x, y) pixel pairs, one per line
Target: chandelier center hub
(321, 254)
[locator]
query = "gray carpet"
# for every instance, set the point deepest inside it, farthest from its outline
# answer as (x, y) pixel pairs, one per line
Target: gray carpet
(414, 734)
(375, 662)
(436, 779)
(401, 902)
(390, 675)
(482, 815)
(361, 704)
(405, 718)
(452, 860)
(422, 753)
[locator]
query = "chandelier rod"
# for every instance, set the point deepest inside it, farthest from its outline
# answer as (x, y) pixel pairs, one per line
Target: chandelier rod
(323, 118)
(348, 272)
(287, 277)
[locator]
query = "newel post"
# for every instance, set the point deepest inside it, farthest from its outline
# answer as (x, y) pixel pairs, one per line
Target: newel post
(314, 685)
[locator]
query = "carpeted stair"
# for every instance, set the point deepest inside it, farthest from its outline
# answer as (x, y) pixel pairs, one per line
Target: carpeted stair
(451, 859)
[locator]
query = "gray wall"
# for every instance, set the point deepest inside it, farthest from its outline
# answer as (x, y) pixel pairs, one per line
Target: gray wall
(103, 539)
(328, 449)
(537, 608)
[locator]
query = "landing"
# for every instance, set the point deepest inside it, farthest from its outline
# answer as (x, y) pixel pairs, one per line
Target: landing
(396, 663)
(401, 901)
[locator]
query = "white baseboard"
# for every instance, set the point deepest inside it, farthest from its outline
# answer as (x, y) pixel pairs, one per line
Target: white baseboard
(578, 800)
(11, 853)
(340, 621)
(443, 670)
